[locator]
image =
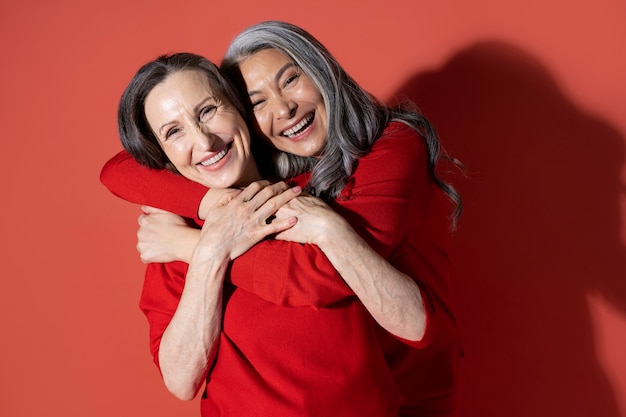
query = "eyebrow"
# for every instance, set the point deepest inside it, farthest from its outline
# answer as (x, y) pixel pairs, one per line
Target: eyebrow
(277, 77)
(164, 126)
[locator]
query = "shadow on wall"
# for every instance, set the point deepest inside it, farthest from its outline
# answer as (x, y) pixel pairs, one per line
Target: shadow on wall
(539, 235)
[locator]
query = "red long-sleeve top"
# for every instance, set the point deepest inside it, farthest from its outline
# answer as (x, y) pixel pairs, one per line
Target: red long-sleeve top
(393, 205)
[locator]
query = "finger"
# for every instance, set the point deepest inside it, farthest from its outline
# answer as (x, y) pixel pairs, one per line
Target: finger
(279, 225)
(252, 189)
(261, 191)
(141, 254)
(270, 207)
(227, 197)
(153, 210)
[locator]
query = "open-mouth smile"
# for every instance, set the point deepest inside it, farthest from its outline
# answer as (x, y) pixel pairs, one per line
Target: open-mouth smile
(299, 128)
(217, 157)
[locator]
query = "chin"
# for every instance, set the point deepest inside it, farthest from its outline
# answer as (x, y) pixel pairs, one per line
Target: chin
(309, 152)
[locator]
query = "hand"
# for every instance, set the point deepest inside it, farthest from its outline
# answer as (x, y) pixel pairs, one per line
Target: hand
(242, 218)
(316, 221)
(164, 237)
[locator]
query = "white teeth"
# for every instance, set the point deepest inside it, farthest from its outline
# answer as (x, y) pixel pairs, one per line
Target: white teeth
(296, 129)
(214, 159)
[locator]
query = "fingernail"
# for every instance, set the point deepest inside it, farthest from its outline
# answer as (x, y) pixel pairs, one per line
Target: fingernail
(297, 189)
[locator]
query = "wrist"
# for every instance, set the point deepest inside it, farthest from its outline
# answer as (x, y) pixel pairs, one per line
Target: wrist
(209, 254)
(189, 240)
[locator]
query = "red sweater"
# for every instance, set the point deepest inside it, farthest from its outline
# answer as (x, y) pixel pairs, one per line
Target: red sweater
(392, 204)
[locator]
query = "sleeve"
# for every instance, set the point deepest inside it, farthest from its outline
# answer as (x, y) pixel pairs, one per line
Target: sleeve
(290, 274)
(162, 289)
(389, 192)
(284, 273)
(129, 180)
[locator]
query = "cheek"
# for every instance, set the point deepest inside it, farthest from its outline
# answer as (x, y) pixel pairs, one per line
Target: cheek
(263, 124)
(173, 152)
(177, 153)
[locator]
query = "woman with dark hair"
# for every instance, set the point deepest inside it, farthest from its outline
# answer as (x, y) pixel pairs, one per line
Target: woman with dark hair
(179, 113)
(376, 166)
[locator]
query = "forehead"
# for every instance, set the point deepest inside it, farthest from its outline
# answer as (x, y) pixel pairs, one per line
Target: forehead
(265, 62)
(185, 83)
(181, 88)
(180, 92)
(271, 55)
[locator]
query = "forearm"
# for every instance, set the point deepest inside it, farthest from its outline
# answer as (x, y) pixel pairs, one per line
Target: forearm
(125, 178)
(393, 298)
(236, 223)
(190, 342)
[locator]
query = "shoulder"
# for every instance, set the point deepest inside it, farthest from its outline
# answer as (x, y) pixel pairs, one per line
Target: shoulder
(393, 165)
(399, 143)
(400, 129)
(399, 136)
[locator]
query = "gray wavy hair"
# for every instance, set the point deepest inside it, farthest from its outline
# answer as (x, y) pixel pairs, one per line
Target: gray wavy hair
(355, 118)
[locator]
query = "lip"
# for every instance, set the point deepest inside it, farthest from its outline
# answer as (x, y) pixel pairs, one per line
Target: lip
(309, 116)
(227, 148)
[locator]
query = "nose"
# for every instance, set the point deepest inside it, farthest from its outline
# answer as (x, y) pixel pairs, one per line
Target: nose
(285, 108)
(203, 139)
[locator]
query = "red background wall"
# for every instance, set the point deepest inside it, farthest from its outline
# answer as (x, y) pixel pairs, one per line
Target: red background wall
(530, 95)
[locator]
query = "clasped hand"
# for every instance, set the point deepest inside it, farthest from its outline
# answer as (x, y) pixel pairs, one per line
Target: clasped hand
(239, 218)
(236, 221)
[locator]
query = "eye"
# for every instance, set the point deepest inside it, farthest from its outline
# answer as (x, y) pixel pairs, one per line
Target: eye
(171, 132)
(256, 100)
(293, 77)
(256, 103)
(207, 112)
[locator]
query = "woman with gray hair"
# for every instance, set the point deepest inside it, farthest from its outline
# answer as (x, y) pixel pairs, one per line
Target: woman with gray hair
(253, 357)
(376, 166)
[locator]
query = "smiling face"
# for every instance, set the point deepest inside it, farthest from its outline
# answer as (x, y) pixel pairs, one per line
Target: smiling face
(288, 107)
(205, 138)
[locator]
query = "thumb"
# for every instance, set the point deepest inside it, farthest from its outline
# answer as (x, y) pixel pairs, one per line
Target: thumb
(227, 196)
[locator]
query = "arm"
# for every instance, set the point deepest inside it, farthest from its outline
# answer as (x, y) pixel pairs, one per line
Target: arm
(125, 178)
(387, 240)
(390, 195)
(401, 215)
(187, 346)
(389, 236)
(189, 343)
(166, 237)
(292, 284)
(277, 271)
(393, 298)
